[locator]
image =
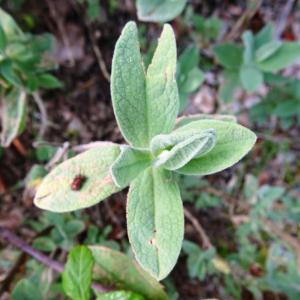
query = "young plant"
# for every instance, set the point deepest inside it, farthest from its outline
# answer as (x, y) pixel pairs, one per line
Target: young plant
(23, 70)
(146, 104)
(248, 66)
(282, 102)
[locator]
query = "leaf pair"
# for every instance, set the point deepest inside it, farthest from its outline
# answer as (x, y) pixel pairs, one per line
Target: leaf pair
(146, 105)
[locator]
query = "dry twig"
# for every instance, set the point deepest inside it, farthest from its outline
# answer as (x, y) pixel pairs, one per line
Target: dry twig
(206, 243)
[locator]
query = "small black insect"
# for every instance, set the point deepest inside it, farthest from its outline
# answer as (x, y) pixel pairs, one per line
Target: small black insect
(78, 182)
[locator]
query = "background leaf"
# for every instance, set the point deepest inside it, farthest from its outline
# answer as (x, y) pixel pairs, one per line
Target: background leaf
(13, 115)
(26, 290)
(229, 55)
(77, 275)
(251, 77)
(282, 58)
(159, 10)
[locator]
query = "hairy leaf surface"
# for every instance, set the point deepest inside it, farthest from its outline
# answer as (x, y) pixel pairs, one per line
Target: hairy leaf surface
(129, 164)
(194, 146)
(233, 142)
(155, 221)
(144, 105)
(55, 192)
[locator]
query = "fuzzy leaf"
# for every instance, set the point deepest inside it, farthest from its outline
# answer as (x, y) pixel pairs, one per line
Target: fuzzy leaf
(129, 164)
(282, 58)
(114, 268)
(164, 142)
(184, 120)
(181, 153)
(159, 10)
(155, 221)
(233, 142)
(162, 92)
(144, 105)
(128, 90)
(13, 115)
(77, 275)
(55, 192)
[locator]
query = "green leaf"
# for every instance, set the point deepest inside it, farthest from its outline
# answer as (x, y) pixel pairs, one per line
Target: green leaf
(184, 120)
(144, 107)
(44, 244)
(129, 164)
(266, 50)
(13, 115)
(9, 74)
(189, 59)
(56, 194)
(2, 39)
(120, 295)
(192, 81)
(159, 10)
(77, 275)
(116, 269)
(229, 55)
(128, 87)
(233, 142)
(264, 36)
(228, 87)
(183, 149)
(8, 25)
(162, 92)
(248, 55)
(287, 54)
(26, 290)
(155, 221)
(251, 77)
(49, 81)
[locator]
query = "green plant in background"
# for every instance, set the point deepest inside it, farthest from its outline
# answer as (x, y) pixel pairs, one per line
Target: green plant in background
(159, 10)
(203, 30)
(146, 104)
(282, 101)
(189, 76)
(23, 70)
(247, 66)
